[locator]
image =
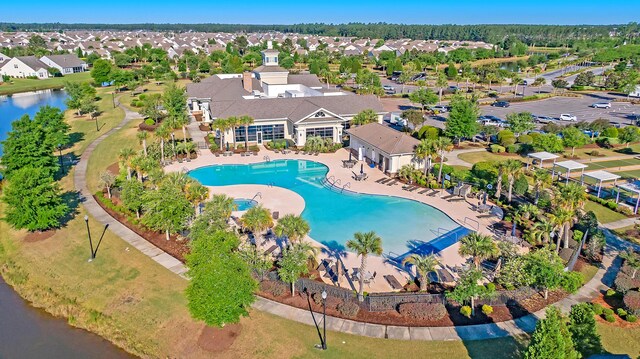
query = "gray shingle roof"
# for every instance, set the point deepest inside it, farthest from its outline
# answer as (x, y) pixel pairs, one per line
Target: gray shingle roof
(385, 138)
(33, 62)
(66, 60)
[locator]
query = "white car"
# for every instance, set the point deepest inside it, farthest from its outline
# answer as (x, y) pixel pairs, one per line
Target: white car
(601, 105)
(568, 117)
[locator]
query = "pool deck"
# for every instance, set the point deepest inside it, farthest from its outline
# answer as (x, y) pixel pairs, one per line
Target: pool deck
(285, 201)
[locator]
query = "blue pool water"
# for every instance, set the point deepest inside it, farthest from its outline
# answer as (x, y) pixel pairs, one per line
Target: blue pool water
(28, 103)
(243, 204)
(403, 224)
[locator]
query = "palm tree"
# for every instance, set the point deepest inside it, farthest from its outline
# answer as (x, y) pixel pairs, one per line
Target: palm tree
(424, 264)
(512, 168)
(364, 244)
(540, 232)
(295, 228)
(163, 132)
(246, 121)
(442, 145)
(559, 219)
(108, 180)
(223, 204)
(222, 124)
(441, 82)
(491, 77)
(142, 138)
(425, 151)
(541, 181)
(571, 196)
(125, 156)
(479, 247)
(501, 171)
(196, 194)
(257, 219)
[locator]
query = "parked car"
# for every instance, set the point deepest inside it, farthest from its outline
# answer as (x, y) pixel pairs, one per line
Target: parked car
(396, 75)
(524, 83)
(601, 105)
(568, 117)
(389, 89)
(440, 108)
(544, 119)
(454, 88)
(500, 104)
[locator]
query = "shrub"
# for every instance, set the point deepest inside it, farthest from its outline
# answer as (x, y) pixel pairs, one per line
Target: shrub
(276, 289)
(631, 318)
(490, 287)
(621, 312)
(572, 281)
(466, 311)
(610, 132)
(149, 122)
(597, 309)
(611, 293)
(632, 302)
(142, 96)
(423, 311)
(317, 298)
(610, 318)
(497, 148)
(487, 309)
(348, 309)
(429, 132)
(608, 311)
(525, 139)
(515, 148)
(624, 283)
(506, 137)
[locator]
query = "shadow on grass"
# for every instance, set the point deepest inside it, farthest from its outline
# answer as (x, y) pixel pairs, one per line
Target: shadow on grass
(72, 199)
(74, 138)
(502, 348)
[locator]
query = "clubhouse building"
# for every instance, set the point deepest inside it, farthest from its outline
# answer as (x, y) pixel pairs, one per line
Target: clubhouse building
(283, 105)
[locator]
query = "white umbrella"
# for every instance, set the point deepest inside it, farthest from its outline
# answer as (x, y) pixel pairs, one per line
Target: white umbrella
(359, 153)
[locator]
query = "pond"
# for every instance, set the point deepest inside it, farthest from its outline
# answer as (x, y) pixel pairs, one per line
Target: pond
(27, 332)
(14, 106)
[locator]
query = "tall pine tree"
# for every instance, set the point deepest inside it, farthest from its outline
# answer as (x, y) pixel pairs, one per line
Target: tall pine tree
(551, 338)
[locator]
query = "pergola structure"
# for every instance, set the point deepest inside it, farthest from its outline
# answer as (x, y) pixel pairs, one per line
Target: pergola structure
(633, 187)
(600, 177)
(568, 166)
(542, 156)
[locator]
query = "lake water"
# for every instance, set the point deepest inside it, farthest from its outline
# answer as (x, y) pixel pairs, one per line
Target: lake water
(27, 332)
(15, 106)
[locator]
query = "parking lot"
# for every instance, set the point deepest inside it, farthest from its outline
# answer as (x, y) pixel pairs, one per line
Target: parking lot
(620, 112)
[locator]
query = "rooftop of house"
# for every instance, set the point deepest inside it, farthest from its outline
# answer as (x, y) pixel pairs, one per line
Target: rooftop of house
(386, 139)
(70, 60)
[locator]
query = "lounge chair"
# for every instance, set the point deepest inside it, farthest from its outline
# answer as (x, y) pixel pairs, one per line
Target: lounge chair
(393, 282)
(433, 194)
(392, 183)
(413, 189)
(380, 180)
(448, 197)
(385, 180)
(456, 199)
(485, 215)
(424, 191)
(217, 154)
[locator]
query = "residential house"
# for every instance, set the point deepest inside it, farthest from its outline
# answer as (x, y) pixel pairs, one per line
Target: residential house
(67, 64)
(25, 66)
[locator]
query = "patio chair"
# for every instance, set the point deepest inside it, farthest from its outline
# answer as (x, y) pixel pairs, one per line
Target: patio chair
(393, 282)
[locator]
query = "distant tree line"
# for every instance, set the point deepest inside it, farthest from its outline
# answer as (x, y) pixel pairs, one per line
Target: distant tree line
(546, 35)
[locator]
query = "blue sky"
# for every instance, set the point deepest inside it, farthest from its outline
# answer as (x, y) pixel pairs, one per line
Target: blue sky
(328, 11)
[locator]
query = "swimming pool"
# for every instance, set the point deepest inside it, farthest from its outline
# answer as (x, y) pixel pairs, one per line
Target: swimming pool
(243, 204)
(403, 224)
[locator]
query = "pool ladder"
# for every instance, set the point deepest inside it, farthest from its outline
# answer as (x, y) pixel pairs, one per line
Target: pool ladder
(259, 194)
(266, 158)
(348, 184)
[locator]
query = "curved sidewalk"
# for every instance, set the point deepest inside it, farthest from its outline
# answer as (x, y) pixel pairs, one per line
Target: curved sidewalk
(516, 327)
(93, 208)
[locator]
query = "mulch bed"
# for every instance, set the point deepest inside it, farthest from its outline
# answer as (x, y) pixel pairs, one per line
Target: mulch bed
(114, 168)
(218, 339)
(500, 313)
(176, 248)
(33, 237)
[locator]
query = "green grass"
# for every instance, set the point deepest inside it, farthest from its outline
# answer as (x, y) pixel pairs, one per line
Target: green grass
(588, 272)
(25, 85)
(612, 165)
(475, 157)
(629, 174)
(618, 340)
(604, 214)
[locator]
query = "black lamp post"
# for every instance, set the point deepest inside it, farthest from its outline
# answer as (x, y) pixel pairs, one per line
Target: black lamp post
(324, 319)
(173, 144)
(113, 98)
(96, 119)
(93, 256)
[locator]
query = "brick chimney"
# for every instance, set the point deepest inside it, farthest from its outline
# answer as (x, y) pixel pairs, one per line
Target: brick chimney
(246, 81)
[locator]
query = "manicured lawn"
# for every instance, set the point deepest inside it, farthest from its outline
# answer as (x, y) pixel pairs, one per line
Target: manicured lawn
(618, 340)
(612, 165)
(588, 271)
(622, 232)
(24, 85)
(474, 157)
(629, 174)
(604, 214)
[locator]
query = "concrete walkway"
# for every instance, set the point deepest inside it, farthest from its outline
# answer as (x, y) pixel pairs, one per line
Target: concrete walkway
(520, 326)
(454, 160)
(621, 223)
(94, 209)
